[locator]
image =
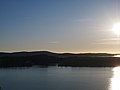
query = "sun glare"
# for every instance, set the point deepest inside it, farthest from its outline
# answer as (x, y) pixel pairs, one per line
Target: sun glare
(116, 28)
(115, 80)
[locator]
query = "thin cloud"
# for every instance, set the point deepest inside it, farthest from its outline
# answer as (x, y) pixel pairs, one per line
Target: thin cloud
(52, 42)
(90, 19)
(107, 43)
(111, 41)
(83, 20)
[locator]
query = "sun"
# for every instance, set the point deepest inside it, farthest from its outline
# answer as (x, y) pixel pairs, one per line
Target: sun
(116, 28)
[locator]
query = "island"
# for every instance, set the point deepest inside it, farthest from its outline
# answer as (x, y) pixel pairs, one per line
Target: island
(46, 58)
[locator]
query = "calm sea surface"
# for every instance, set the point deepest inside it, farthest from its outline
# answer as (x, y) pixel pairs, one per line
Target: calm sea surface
(60, 78)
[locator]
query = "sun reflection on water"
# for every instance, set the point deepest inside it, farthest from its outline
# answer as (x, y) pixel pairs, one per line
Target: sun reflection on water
(115, 80)
(116, 56)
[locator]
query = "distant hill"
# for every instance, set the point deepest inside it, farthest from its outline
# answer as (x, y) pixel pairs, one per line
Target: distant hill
(53, 54)
(46, 58)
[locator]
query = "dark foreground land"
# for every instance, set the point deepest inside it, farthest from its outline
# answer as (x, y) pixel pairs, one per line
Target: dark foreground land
(44, 58)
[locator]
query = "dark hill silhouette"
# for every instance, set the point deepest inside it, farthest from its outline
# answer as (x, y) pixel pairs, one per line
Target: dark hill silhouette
(18, 59)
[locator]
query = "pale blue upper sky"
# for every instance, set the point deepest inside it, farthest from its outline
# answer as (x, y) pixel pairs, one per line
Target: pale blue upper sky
(59, 25)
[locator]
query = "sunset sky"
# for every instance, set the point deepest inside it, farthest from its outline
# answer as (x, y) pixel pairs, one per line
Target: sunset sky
(59, 25)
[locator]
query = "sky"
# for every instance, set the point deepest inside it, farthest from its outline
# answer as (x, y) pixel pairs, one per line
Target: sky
(79, 26)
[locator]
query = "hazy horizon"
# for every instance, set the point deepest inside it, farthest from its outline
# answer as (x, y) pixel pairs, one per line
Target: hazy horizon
(70, 26)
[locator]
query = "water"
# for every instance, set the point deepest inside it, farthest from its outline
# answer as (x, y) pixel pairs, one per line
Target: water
(60, 78)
